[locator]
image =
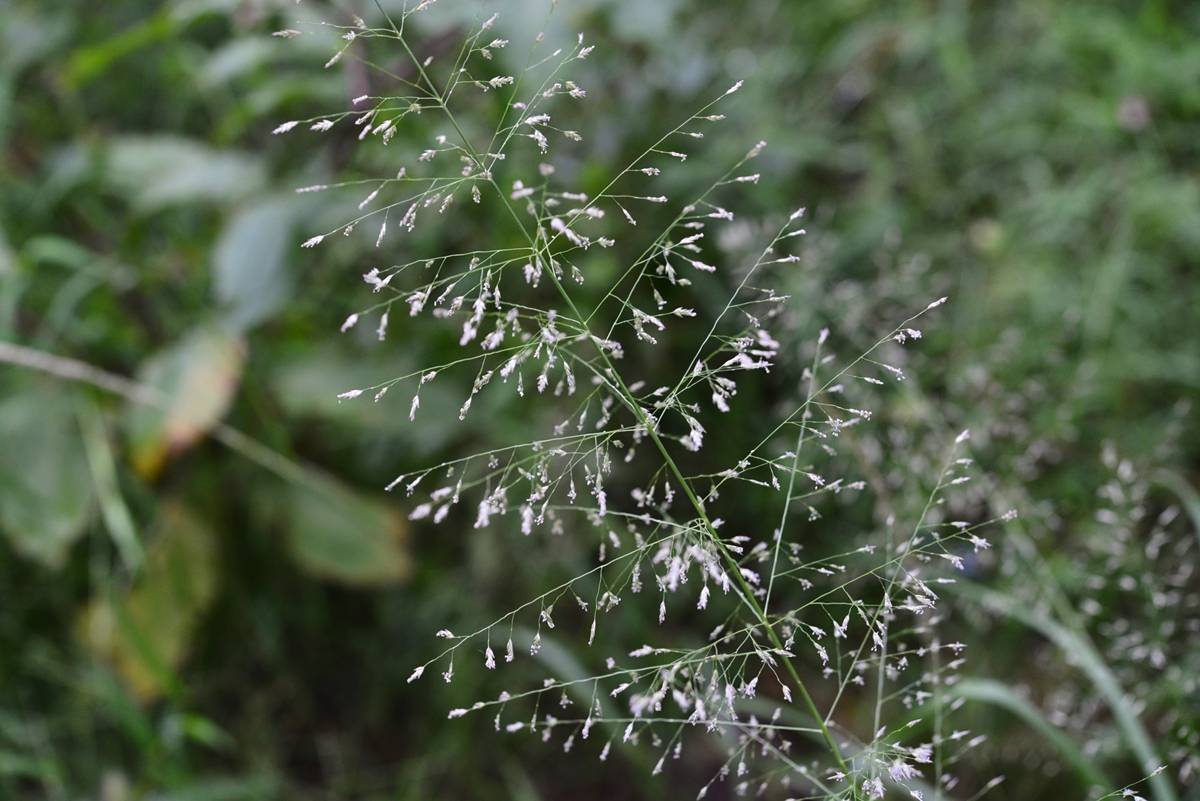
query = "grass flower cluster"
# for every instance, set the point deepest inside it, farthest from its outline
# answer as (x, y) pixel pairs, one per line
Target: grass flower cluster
(780, 638)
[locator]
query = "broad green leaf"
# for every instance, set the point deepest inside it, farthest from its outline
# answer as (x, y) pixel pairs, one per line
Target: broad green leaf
(196, 379)
(145, 631)
(249, 270)
(339, 534)
(88, 63)
(158, 171)
(307, 385)
(27, 35)
(236, 59)
(45, 486)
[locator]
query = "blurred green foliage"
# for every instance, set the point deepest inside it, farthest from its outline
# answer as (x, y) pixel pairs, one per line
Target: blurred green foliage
(192, 613)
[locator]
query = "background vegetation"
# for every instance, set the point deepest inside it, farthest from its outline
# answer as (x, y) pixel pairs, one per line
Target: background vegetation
(210, 597)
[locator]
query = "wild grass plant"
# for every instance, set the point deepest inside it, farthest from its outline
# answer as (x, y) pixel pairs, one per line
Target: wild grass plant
(664, 398)
(781, 636)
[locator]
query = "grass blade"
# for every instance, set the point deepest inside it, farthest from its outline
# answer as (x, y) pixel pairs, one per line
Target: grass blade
(1082, 653)
(990, 691)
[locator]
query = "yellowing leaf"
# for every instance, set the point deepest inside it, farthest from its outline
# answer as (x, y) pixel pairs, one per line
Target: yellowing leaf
(144, 633)
(196, 379)
(339, 534)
